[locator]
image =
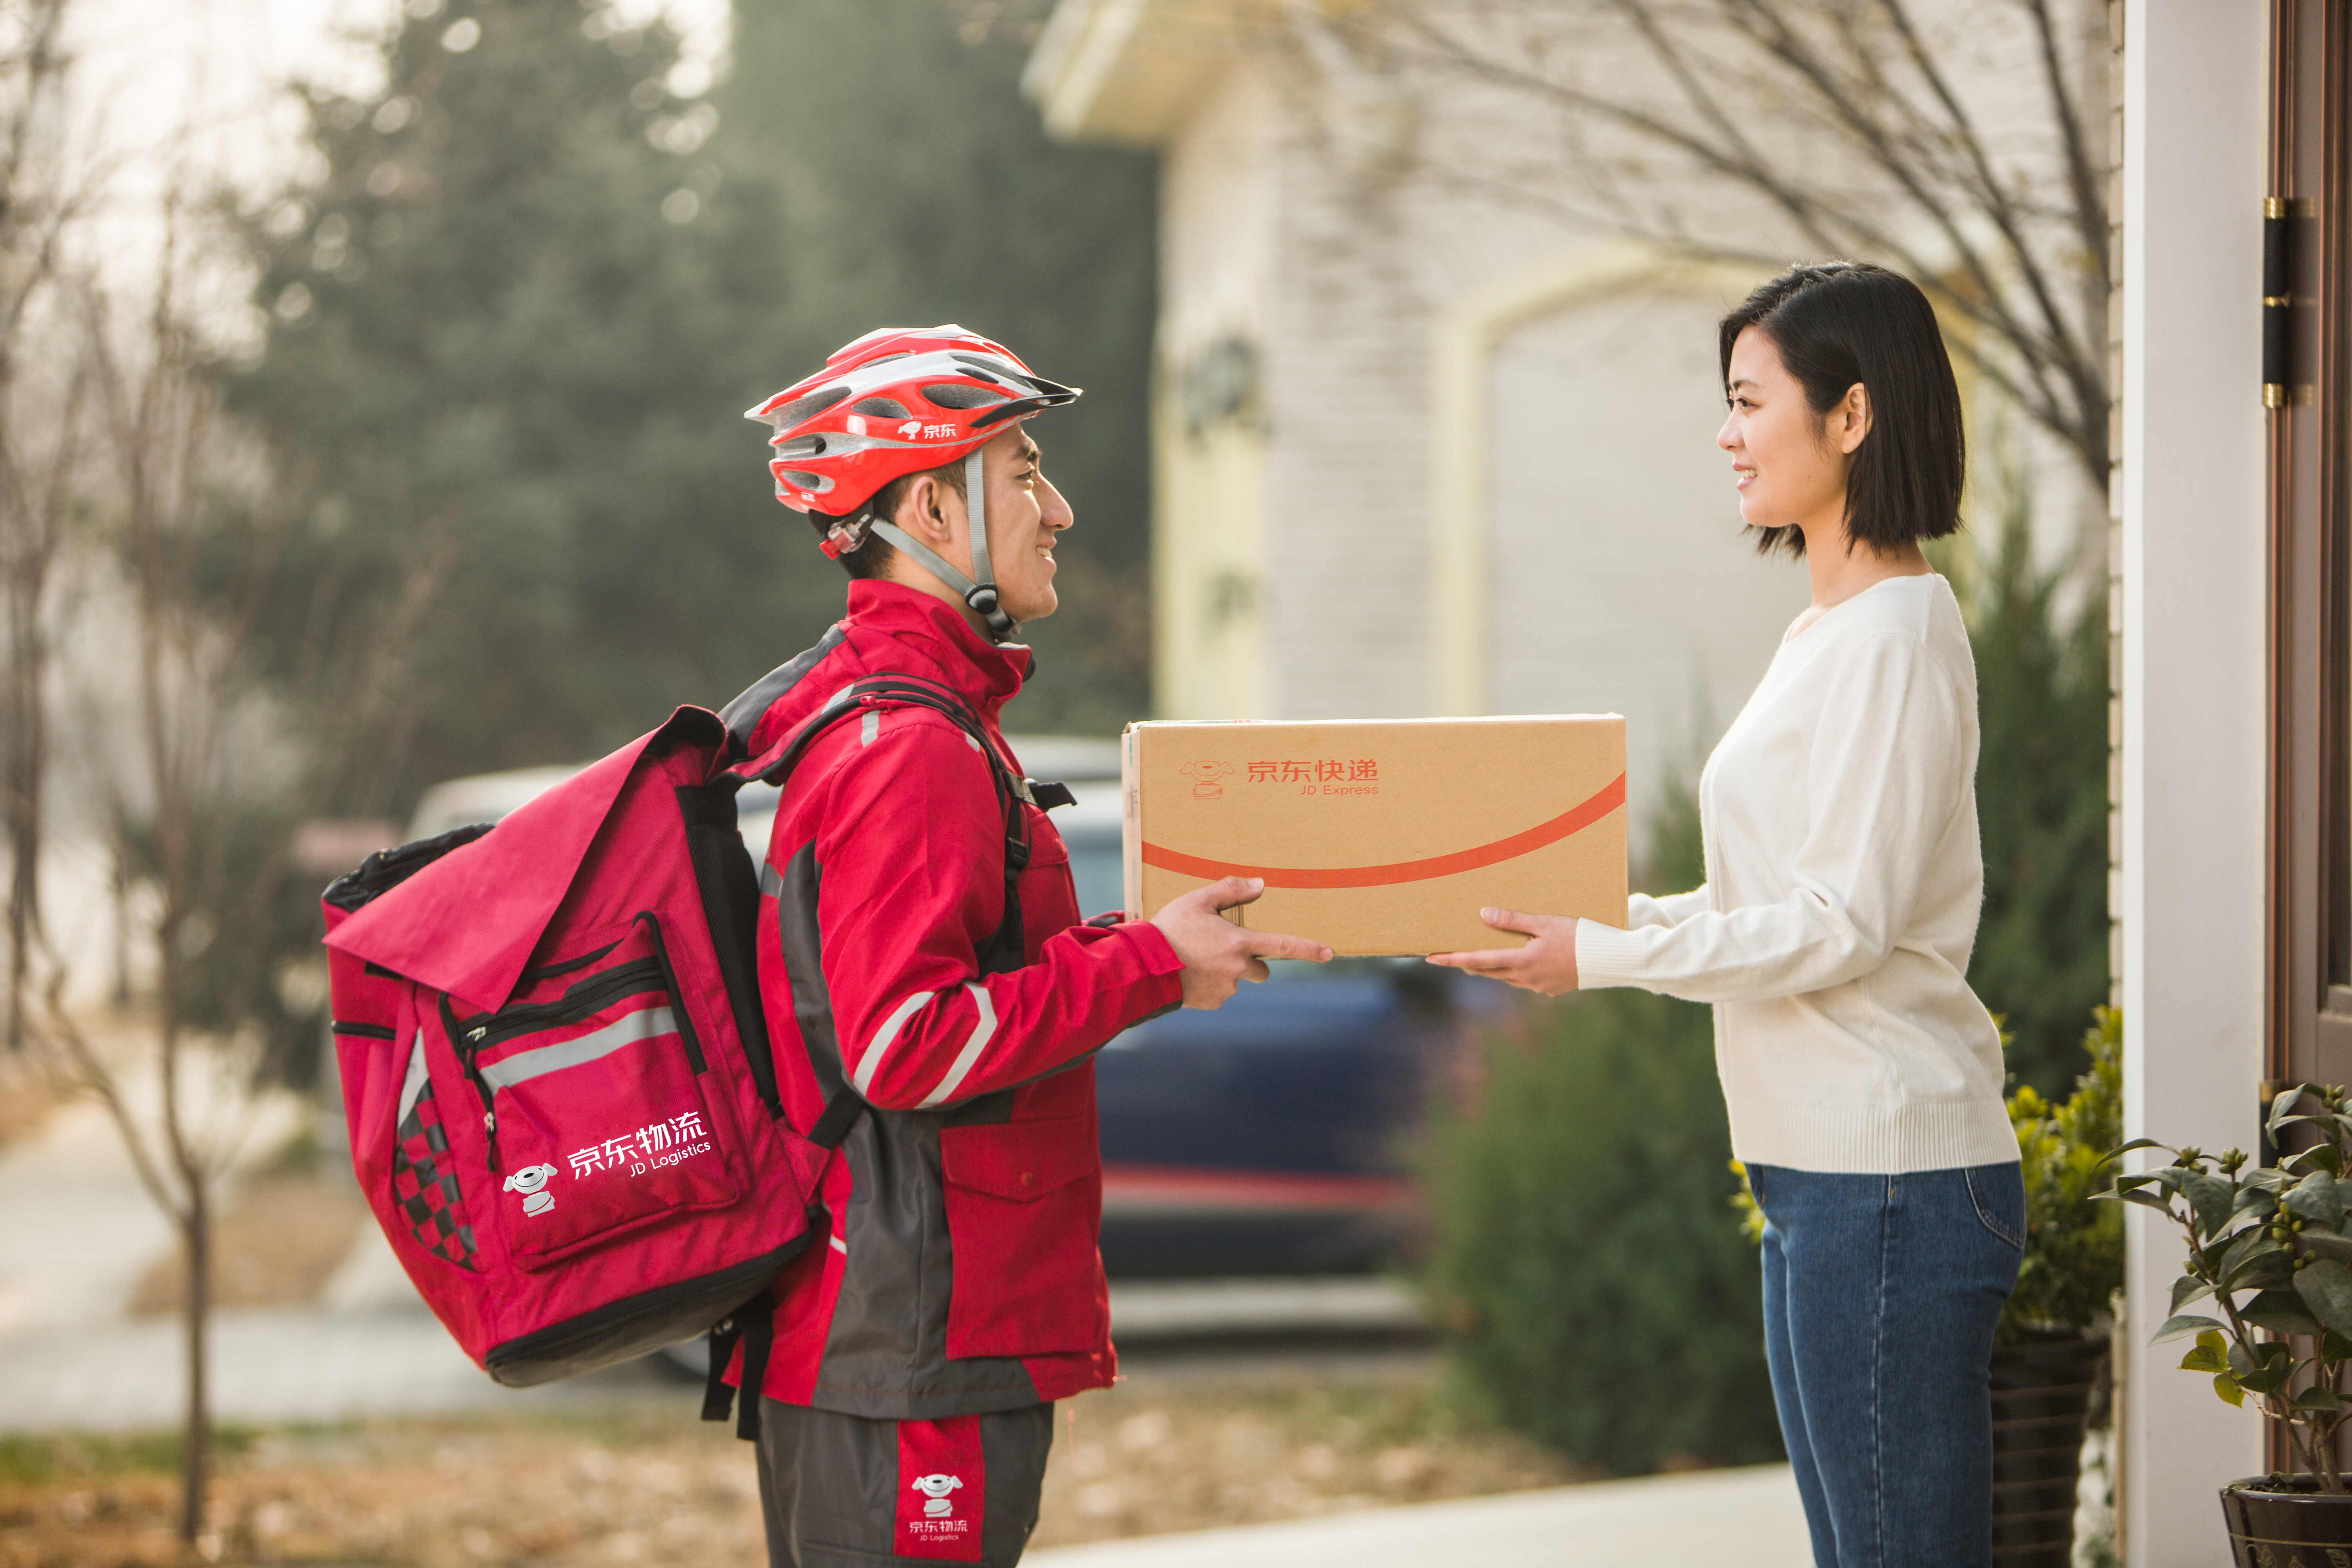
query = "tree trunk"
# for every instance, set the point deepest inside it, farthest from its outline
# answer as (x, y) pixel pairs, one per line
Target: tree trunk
(196, 1443)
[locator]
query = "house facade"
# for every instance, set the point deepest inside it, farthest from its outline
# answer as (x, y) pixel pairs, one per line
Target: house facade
(1419, 452)
(1415, 453)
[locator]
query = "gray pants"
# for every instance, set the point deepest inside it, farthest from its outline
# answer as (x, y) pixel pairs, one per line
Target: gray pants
(832, 1494)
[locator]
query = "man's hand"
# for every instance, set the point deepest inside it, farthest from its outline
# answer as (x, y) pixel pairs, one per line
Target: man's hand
(1217, 954)
(1547, 965)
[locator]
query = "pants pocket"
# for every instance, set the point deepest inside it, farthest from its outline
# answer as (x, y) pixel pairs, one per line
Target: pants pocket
(1023, 1201)
(1998, 1193)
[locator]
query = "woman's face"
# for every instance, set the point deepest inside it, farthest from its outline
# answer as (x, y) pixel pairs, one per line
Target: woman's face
(1791, 462)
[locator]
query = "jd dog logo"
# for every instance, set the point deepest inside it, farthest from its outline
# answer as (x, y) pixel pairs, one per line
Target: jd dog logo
(532, 1182)
(937, 1504)
(1206, 778)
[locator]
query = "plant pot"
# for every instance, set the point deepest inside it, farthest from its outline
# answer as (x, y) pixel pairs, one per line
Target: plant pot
(2042, 1393)
(2275, 1524)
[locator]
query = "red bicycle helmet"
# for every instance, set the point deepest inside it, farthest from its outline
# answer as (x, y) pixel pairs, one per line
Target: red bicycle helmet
(896, 401)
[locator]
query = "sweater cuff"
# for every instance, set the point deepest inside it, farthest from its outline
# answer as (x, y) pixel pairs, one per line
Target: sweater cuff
(1606, 956)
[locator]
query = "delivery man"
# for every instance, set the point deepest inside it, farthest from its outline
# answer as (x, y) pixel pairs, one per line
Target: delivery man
(908, 1399)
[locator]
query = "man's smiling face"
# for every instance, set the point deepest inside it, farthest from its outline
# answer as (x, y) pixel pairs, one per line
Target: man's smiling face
(1026, 516)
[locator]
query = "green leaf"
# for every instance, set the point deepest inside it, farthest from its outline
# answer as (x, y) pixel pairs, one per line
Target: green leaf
(2186, 1289)
(2242, 1246)
(2138, 1144)
(2227, 1387)
(2314, 1198)
(2281, 1311)
(2325, 1286)
(2146, 1200)
(2316, 1399)
(2282, 1105)
(2277, 1367)
(2318, 1157)
(2175, 1327)
(2212, 1197)
(2327, 1244)
(2254, 1197)
(2266, 1267)
(2204, 1358)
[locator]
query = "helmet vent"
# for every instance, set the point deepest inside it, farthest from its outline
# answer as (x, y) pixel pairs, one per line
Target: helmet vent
(803, 480)
(879, 407)
(801, 408)
(951, 395)
(802, 447)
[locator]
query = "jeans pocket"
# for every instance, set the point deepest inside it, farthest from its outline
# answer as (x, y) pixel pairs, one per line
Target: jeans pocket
(1998, 1193)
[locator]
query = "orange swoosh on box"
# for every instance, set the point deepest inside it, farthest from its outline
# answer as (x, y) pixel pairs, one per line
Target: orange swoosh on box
(1574, 820)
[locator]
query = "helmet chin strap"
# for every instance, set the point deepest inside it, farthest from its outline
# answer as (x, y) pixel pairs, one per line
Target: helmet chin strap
(981, 595)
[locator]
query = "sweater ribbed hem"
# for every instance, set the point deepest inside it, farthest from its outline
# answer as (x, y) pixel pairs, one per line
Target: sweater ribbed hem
(1871, 1140)
(1606, 956)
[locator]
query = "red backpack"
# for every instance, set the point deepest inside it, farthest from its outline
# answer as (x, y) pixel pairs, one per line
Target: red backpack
(561, 1097)
(556, 1070)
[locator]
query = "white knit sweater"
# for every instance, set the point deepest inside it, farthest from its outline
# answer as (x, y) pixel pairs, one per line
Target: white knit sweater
(1839, 815)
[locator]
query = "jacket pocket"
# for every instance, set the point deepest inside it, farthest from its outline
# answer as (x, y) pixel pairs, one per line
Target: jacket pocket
(599, 1119)
(1023, 1202)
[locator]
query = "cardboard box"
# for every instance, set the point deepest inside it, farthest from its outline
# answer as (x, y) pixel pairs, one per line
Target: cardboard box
(1383, 835)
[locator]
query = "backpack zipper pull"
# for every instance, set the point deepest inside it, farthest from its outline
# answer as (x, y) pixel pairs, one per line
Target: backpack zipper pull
(490, 1134)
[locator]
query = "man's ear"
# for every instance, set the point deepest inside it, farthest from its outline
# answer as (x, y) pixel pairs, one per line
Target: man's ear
(923, 511)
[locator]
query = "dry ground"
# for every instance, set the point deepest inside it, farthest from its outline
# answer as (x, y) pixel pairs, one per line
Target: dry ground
(283, 1235)
(26, 1099)
(649, 1485)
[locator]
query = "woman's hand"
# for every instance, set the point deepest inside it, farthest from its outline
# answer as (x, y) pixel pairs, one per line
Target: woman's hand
(1547, 965)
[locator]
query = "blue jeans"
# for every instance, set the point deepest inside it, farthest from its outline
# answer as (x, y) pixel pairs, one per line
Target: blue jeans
(1880, 1298)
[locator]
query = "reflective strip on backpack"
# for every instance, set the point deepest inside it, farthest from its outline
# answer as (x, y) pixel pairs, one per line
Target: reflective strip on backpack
(981, 1034)
(412, 1085)
(646, 1024)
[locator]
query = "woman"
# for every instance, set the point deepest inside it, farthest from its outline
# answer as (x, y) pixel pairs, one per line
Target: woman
(1862, 1076)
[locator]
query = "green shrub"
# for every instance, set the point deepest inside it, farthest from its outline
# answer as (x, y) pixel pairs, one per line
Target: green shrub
(2073, 1261)
(1587, 1268)
(2040, 957)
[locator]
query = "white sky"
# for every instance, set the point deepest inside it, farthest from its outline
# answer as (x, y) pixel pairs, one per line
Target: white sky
(196, 91)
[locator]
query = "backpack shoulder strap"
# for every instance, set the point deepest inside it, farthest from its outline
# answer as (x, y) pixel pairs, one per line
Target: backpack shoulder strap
(843, 1105)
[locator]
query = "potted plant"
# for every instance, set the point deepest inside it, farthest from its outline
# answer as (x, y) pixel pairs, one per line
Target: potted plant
(2269, 1262)
(2050, 1350)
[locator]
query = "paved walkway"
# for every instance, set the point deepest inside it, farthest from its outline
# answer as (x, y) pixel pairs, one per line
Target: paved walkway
(75, 1231)
(1746, 1517)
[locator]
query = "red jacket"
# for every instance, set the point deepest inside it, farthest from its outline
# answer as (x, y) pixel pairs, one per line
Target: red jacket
(962, 1273)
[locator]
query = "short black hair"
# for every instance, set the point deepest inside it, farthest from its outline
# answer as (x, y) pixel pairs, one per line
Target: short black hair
(1839, 323)
(874, 556)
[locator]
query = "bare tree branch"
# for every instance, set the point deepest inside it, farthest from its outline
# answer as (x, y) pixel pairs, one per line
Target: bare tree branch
(1930, 197)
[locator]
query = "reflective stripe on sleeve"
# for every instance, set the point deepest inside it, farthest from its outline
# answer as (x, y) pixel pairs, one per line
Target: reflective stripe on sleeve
(871, 1062)
(981, 1034)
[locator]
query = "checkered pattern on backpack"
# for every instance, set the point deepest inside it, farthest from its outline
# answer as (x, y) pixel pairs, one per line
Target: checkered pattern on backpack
(425, 1186)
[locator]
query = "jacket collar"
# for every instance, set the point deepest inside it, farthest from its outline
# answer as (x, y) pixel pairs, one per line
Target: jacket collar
(984, 674)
